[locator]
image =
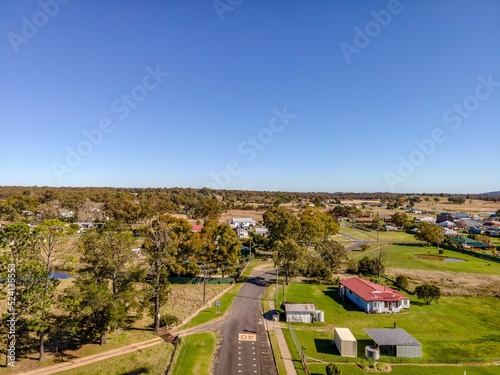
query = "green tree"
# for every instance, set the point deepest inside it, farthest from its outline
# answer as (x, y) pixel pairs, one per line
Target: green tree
(333, 369)
(430, 233)
(50, 236)
(287, 253)
(161, 251)
(401, 219)
(428, 293)
(402, 282)
(315, 225)
(282, 225)
(332, 253)
(105, 282)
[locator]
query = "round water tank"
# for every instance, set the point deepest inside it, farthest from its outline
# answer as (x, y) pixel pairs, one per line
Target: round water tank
(320, 316)
(372, 353)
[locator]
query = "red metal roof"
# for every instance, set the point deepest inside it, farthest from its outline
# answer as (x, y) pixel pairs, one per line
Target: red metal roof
(370, 291)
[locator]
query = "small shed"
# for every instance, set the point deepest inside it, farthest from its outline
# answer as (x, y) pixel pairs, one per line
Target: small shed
(396, 341)
(300, 312)
(345, 342)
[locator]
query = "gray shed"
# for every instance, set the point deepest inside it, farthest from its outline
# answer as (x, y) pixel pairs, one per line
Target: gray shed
(300, 312)
(396, 341)
(345, 342)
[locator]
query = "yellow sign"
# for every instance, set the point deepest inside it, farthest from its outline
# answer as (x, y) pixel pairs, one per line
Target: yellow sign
(247, 337)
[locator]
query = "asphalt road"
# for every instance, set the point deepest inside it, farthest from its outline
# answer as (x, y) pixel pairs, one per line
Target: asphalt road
(245, 348)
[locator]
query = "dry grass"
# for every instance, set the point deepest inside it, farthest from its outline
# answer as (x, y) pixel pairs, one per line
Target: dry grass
(452, 283)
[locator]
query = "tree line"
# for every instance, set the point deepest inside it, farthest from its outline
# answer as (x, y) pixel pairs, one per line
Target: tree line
(112, 287)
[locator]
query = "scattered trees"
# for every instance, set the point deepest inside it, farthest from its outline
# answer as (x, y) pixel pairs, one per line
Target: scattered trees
(428, 293)
(288, 252)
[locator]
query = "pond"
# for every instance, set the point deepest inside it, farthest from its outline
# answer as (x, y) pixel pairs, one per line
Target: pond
(61, 275)
(439, 258)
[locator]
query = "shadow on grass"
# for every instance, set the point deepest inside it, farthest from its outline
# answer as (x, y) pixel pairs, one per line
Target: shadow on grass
(325, 346)
(141, 370)
(332, 292)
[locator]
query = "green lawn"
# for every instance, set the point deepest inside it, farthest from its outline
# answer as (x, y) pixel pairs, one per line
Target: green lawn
(383, 236)
(457, 327)
(404, 256)
(195, 354)
(153, 360)
(319, 369)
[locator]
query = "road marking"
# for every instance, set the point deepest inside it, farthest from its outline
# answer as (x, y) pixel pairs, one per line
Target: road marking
(247, 337)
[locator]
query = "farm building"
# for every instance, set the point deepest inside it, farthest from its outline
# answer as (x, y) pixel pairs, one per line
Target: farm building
(396, 341)
(371, 297)
(345, 342)
(300, 312)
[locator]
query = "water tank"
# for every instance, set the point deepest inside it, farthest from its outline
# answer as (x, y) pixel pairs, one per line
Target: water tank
(372, 353)
(320, 316)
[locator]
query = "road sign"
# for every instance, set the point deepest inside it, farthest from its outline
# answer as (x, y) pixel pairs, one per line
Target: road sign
(217, 303)
(247, 337)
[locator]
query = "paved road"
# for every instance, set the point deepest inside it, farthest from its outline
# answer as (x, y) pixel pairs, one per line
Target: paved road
(244, 348)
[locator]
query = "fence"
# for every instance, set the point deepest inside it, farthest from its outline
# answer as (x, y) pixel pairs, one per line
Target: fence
(199, 280)
(299, 348)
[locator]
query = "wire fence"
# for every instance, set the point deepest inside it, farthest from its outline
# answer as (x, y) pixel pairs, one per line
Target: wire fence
(299, 348)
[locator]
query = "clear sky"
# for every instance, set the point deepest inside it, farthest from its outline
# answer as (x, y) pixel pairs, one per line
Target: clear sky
(319, 95)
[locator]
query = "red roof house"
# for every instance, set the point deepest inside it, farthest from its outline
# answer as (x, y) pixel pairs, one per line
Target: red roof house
(371, 297)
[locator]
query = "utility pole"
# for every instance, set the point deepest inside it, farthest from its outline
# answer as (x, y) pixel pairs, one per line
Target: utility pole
(204, 282)
(277, 286)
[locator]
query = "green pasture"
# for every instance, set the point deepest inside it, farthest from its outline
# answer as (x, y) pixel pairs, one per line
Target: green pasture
(457, 328)
(404, 256)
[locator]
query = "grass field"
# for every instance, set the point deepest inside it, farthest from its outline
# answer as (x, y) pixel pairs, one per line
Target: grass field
(464, 328)
(404, 256)
(319, 369)
(383, 236)
(153, 360)
(195, 354)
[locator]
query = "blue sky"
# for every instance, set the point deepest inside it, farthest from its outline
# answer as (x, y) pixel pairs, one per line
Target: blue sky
(258, 95)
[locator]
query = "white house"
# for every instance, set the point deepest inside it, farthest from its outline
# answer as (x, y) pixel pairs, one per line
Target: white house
(371, 297)
(427, 219)
(245, 222)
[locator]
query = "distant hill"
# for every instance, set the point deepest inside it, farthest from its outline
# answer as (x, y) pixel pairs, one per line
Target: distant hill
(492, 193)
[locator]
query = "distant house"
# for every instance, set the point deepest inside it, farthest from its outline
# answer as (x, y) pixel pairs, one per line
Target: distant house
(262, 231)
(300, 312)
(196, 228)
(427, 219)
(391, 228)
(67, 214)
(245, 222)
(451, 216)
(242, 233)
(447, 224)
(371, 297)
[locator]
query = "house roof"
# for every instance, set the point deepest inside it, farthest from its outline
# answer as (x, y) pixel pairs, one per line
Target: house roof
(300, 307)
(196, 228)
(391, 336)
(370, 291)
(242, 220)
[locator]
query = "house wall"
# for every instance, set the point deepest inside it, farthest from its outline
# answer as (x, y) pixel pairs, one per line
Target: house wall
(299, 317)
(409, 351)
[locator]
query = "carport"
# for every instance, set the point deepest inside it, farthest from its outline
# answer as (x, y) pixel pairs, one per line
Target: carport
(395, 341)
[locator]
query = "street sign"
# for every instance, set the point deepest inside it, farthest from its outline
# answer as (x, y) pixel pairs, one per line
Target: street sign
(217, 303)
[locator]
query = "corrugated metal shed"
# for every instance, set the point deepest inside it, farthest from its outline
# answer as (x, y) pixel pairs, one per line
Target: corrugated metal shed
(402, 343)
(345, 342)
(300, 312)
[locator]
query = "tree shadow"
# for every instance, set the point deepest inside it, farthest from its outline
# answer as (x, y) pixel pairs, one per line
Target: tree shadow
(140, 370)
